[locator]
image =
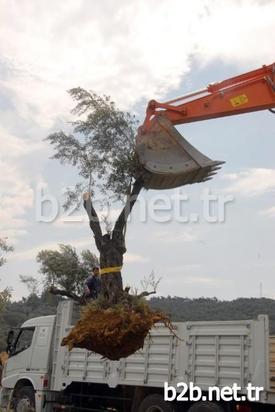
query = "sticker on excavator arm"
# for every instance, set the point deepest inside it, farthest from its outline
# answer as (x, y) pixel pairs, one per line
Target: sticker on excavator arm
(239, 100)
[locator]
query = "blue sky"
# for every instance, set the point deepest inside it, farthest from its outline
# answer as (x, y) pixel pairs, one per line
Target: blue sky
(136, 51)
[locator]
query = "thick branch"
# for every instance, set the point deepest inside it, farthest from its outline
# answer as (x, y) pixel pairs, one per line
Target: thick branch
(93, 219)
(61, 292)
(131, 200)
(144, 294)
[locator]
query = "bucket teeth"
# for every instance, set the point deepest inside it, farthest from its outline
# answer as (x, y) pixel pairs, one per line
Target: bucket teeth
(215, 169)
(211, 174)
(169, 161)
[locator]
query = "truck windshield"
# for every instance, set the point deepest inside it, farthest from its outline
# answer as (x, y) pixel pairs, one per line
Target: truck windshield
(23, 340)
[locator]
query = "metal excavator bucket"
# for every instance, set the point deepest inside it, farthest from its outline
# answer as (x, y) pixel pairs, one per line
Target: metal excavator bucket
(168, 160)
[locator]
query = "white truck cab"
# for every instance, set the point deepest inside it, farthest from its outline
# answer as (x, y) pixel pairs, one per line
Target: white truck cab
(28, 366)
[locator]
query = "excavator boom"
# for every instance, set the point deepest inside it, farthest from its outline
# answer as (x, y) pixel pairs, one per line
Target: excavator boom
(246, 93)
(168, 160)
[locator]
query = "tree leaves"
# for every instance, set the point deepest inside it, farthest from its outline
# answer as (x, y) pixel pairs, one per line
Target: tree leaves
(4, 247)
(102, 146)
(65, 269)
(5, 295)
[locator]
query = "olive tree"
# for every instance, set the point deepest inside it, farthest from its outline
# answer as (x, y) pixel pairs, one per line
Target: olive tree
(64, 271)
(102, 148)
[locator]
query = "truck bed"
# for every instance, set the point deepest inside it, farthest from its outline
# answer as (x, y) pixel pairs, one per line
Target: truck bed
(205, 353)
(272, 362)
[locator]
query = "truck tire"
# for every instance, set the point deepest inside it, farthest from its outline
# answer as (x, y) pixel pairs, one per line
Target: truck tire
(205, 407)
(155, 403)
(24, 399)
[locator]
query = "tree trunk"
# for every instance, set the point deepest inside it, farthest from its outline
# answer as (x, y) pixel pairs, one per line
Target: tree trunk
(112, 247)
(111, 256)
(60, 292)
(112, 287)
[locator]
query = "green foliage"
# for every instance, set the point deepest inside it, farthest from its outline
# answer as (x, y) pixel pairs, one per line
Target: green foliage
(31, 283)
(64, 269)
(88, 261)
(185, 309)
(4, 247)
(5, 295)
(139, 304)
(102, 146)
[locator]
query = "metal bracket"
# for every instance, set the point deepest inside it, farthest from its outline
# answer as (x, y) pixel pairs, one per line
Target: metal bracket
(271, 83)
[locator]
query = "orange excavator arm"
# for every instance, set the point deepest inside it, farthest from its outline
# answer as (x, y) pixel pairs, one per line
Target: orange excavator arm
(252, 91)
(167, 160)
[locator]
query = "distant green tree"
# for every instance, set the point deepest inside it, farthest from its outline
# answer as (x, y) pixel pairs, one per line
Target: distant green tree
(64, 271)
(31, 283)
(4, 248)
(5, 294)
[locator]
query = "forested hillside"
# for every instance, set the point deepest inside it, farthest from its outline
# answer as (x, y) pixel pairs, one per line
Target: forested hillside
(182, 309)
(179, 309)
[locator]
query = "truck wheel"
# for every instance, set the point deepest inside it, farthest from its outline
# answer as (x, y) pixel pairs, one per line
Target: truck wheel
(25, 400)
(155, 403)
(205, 407)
